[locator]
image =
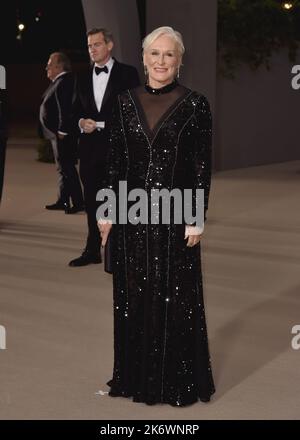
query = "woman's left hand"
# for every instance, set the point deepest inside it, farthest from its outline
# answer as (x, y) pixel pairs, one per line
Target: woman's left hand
(192, 240)
(193, 234)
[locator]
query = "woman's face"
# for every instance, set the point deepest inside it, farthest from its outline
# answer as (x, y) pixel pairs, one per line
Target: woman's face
(162, 60)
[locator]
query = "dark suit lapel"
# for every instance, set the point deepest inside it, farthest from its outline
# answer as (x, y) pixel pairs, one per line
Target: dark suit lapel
(112, 84)
(48, 90)
(52, 86)
(90, 91)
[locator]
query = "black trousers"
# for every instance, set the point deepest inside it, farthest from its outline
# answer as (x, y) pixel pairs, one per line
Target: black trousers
(92, 153)
(65, 156)
(92, 177)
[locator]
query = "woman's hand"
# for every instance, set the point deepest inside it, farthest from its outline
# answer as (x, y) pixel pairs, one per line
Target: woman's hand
(104, 228)
(193, 234)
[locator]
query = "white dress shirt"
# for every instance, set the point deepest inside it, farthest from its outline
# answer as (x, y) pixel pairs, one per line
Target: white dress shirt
(100, 83)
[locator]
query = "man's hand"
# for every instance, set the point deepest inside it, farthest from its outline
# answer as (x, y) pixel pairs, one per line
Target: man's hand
(88, 125)
(61, 136)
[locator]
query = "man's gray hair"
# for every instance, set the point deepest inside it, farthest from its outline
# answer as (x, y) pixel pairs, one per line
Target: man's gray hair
(63, 60)
(108, 36)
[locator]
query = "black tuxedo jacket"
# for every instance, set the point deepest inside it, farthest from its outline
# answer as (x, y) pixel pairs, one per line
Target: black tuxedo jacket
(122, 77)
(56, 106)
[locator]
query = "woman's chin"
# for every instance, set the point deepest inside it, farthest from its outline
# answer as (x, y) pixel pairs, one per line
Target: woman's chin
(162, 79)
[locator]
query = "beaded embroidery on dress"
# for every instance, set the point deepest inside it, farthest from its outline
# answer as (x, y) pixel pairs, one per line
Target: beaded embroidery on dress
(161, 350)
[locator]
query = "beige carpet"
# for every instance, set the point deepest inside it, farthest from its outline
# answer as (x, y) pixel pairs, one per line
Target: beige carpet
(58, 320)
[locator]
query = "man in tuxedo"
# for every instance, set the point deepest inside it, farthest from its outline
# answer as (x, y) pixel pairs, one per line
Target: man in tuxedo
(96, 91)
(3, 137)
(56, 125)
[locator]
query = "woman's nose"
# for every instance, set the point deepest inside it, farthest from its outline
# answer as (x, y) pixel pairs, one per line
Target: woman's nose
(161, 59)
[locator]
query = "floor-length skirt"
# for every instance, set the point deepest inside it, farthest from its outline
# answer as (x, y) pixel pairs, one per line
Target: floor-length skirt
(160, 338)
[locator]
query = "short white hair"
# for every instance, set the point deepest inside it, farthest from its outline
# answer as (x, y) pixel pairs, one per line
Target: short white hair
(164, 30)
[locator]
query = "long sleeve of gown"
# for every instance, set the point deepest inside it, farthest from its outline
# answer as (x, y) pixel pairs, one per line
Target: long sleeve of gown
(116, 157)
(202, 154)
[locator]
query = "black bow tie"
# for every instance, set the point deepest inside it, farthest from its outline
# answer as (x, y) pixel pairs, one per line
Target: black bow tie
(101, 69)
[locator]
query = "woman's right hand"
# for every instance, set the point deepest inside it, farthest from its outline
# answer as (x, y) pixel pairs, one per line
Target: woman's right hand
(104, 228)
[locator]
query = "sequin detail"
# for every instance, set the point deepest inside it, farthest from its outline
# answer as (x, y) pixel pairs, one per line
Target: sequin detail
(160, 338)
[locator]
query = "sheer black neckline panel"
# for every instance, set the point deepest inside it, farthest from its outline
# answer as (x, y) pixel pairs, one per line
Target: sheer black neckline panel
(154, 109)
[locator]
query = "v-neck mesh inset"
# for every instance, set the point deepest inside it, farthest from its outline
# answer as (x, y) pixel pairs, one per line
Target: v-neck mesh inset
(155, 108)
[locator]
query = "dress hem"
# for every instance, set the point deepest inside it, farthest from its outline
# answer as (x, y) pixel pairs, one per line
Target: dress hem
(140, 399)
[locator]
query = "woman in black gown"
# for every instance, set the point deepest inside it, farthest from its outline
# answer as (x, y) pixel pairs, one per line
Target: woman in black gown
(160, 138)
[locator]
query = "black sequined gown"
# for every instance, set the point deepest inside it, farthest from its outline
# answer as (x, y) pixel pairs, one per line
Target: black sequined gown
(160, 339)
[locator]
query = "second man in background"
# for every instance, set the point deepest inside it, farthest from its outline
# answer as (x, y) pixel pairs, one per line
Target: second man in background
(96, 92)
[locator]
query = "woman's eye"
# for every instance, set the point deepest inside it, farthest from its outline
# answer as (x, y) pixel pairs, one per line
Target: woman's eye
(169, 54)
(154, 53)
